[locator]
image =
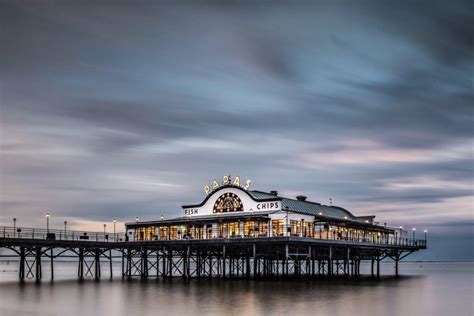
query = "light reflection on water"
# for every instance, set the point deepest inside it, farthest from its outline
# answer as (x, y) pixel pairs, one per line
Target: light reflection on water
(425, 289)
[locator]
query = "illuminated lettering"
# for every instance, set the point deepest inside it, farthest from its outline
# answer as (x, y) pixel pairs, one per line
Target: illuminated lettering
(247, 185)
(225, 180)
(207, 189)
(237, 182)
(215, 185)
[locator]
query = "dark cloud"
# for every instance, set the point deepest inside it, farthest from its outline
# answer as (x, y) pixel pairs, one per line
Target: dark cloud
(123, 110)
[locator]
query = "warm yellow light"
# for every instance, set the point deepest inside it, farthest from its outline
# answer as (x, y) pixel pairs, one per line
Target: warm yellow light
(366, 220)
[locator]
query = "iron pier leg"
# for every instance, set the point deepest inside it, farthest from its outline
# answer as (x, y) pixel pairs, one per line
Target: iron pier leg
(223, 261)
(38, 264)
(372, 266)
(22, 264)
(330, 262)
(97, 263)
(80, 270)
(144, 263)
(110, 262)
(52, 266)
(123, 263)
(397, 259)
(378, 267)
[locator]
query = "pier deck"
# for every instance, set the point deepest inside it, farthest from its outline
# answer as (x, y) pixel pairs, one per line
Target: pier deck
(262, 257)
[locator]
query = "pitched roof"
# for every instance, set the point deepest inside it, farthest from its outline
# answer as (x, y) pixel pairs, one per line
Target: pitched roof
(310, 208)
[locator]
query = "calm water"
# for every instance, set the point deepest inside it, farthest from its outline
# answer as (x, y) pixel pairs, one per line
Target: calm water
(425, 289)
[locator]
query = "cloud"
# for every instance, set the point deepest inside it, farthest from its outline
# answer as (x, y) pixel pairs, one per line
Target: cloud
(127, 110)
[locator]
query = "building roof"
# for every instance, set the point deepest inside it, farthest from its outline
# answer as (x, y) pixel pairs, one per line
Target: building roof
(311, 208)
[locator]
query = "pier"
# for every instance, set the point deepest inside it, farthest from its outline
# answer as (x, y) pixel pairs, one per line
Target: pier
(249, 257)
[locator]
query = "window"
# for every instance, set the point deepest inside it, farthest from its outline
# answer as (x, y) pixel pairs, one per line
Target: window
(234, 229)
(249, 229)
(262, 229)
(173, 232)
(308, 229)
(277, 227)
(222, 229)
(163, 232)
(295, 227)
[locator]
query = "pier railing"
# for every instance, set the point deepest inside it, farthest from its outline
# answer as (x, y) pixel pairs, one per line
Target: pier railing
(59, 234)
(75, 235)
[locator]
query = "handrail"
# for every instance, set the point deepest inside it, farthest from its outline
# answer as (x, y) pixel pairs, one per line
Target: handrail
(58, 234)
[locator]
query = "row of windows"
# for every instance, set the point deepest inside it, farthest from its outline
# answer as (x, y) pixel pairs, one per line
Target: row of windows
(255, 229)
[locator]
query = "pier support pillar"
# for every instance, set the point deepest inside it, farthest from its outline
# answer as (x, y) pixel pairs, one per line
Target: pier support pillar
(38, 264)
(330, 262)
(378, 267)
(51, 255)
(21, 270)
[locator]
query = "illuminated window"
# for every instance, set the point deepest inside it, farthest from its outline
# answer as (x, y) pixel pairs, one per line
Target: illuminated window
(262, 229)
(249, 229)
(234, 229)
(173, 232)
(308, 229)
(163, 232)
(277, 227)
(295, 227)
(228, 202)
(222, 229)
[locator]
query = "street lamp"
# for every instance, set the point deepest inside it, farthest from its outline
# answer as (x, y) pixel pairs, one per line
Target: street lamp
(137, 219)
(65, 228)
(47, 222)
(413, 230)
(14, 227)
(115, 235)
(162, 217)
(425, 231)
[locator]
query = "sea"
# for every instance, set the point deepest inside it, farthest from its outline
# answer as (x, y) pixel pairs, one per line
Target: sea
(424, 288)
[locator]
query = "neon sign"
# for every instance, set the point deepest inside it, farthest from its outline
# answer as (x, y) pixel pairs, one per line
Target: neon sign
(226, 181)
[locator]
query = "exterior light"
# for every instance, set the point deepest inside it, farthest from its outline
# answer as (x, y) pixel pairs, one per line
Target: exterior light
(47, 222)
(366, 220)
(425, 231)
(320, 213)
(115, 235)
(137, 219)
(14, 227)
(345, 217)
(401, 227)
(414, 228)
(162, 217)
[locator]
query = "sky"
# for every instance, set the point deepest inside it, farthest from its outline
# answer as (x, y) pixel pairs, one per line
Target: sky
(118, 109)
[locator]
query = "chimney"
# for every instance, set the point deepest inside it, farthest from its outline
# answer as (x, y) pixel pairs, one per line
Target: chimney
(301, 198)
(275, 193)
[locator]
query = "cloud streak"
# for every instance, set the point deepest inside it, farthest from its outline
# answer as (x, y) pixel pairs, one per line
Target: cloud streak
(127, 110)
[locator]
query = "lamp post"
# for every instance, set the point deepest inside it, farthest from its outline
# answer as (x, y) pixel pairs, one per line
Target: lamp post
(413, 230)
(425, 231)
(14, 227)
(47, 222)
(65, 228)
(115, 235)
